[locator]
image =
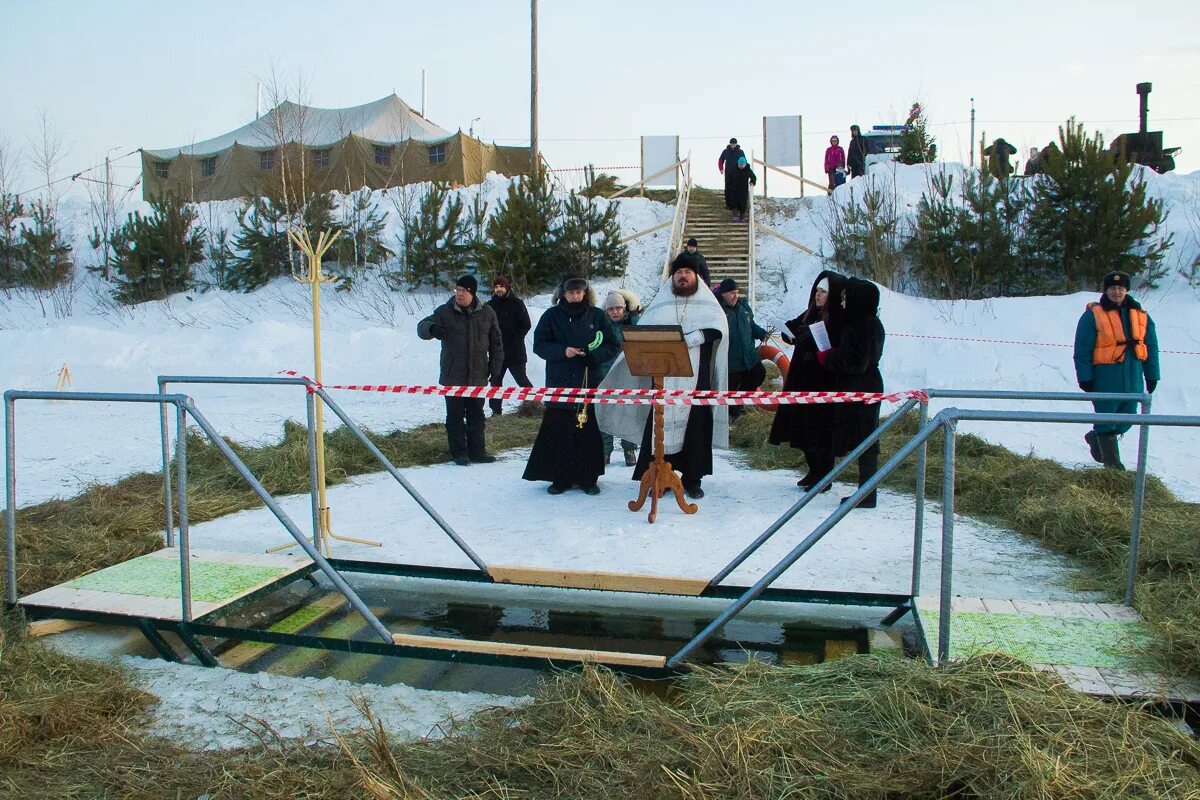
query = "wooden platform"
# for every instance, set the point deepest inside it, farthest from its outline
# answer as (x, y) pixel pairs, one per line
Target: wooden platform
(608, 581)
(1096, 648)
(148, 586)
(609, 657)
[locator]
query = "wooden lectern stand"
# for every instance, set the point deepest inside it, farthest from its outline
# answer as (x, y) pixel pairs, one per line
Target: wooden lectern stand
(658, 351)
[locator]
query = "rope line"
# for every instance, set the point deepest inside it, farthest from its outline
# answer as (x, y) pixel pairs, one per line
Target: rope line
(1016, 341)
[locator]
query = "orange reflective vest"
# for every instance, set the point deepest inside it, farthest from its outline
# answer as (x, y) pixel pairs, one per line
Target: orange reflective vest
(1110, 335)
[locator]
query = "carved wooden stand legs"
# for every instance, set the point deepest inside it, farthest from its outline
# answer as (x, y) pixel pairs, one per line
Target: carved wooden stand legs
(659, 477)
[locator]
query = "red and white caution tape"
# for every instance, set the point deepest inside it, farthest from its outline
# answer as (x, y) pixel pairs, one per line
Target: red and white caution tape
(628, 396)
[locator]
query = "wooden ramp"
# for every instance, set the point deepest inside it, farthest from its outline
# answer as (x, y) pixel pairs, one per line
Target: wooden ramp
(609, 657)
(1096, 648)
(724, 243)
(147, 587)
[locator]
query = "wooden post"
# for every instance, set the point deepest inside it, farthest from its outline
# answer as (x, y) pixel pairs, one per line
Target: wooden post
(660, 476)
(766, 150)
(533, 88)
(800, 126)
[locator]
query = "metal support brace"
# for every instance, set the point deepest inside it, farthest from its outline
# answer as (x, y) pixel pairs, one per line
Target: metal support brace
(947, 542)
(157, 641)
(202, 653)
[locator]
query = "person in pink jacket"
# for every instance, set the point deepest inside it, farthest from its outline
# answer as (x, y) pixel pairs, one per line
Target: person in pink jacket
(835, 159)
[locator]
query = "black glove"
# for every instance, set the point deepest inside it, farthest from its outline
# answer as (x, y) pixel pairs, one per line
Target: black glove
(787, 339)
(436, 331)
(1087, 386)
(1151, 385)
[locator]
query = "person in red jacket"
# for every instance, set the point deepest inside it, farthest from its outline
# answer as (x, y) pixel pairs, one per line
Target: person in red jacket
(835, 159)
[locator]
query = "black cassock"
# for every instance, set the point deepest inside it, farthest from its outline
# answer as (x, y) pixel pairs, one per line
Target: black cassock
(694, 459)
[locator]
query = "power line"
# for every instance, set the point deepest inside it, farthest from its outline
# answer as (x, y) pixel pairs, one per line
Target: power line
(74, 175)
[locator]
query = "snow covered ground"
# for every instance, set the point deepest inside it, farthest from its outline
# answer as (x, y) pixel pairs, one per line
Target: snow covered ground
(370, 337)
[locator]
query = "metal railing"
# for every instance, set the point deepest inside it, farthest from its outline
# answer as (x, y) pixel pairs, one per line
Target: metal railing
(751, 271)
(312, 392)
(945, 420)
(184, 408)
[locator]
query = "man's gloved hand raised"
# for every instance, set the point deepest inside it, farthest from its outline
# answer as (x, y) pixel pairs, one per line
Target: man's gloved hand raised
(1087, 386)
(436, 331)
(1151, 385)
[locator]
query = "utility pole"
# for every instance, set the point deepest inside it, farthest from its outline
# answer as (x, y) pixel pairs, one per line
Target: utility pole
(424, 88)
(972, 131)
(533, 90)
(108, 213)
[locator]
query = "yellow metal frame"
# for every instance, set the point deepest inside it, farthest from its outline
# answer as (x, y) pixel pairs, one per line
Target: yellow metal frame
(314, 277)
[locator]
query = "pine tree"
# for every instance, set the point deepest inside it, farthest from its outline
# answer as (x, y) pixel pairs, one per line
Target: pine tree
(45, 257)
(361, 243)
(1091, 215)
(524, 232)
(153, 255)
(262, 248)
(916, 144)
(11, 209)
(598, 184)
(436, 240)
(589, 241)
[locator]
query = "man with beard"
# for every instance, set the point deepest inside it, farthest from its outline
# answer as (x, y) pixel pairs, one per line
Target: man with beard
(514, 324)
(690, 432)
(471, 352)
(575, 338)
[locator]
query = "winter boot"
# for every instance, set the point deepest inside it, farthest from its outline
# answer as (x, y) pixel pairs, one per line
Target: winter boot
(630, 456)
(1110, 451)
(1093, 441)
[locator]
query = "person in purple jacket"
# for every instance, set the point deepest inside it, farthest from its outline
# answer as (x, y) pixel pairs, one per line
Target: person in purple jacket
(835, 159)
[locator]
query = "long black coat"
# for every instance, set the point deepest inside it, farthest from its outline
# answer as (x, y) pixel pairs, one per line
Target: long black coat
(739, 189)
(854, 362)
(810, 427)
(574, 325)
(514, 324)
(472, 350)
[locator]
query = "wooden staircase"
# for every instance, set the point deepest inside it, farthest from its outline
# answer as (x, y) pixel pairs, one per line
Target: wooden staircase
(724, 243)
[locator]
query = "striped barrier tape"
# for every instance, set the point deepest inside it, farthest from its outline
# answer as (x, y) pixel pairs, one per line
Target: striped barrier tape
(627, 396)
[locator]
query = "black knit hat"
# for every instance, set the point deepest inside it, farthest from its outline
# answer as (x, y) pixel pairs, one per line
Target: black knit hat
(1117, 279)
(692, 242)
(727, 285)
(468, 282)
(733, 141)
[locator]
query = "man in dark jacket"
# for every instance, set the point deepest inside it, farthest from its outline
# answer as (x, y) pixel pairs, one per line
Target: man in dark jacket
(727, 166)
(1116, 350)
(576, 339)
(854, 362)
(746, 371)
(514, 324)
(856, 153)
(472, 352)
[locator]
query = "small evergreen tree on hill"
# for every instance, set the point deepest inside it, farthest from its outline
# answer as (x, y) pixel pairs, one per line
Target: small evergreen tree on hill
(916, 144)
(589, 240)
(437, 244)
(361, 243)
(523, 235)
(1089, 217)
(44, 257)
(262, 248)
(11, 210)
(153, 255)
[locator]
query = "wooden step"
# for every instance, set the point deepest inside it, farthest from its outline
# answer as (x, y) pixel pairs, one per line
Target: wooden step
(609, 581)
(529, 651)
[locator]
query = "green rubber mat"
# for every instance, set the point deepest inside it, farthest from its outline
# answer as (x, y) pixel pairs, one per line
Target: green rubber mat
(153, 576)
(1071, 641)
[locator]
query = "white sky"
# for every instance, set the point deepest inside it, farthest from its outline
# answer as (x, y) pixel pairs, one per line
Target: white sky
(131, 74)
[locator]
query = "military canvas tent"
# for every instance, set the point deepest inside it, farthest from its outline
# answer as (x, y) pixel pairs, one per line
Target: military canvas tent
(304, 149)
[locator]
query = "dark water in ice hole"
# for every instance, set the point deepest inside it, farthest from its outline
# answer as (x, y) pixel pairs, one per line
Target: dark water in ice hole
(526, 621)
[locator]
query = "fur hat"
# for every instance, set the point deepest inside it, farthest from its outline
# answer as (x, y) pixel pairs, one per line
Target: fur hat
(468, 282)
(1117, 279)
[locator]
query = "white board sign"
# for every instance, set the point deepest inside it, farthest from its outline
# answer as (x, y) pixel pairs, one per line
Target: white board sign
(659, 153)
(782, 144)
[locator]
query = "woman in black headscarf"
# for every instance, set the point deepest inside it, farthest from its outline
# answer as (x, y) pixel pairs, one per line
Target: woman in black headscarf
(575, 338)
(854, 364)
(810, 427)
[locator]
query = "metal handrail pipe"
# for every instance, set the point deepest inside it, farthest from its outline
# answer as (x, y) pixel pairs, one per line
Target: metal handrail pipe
(334, 576)
(163, 380)
(10, 458)
(816, 489)
(408, 487)
(803, 547)
(987, 394)
(982, 415)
